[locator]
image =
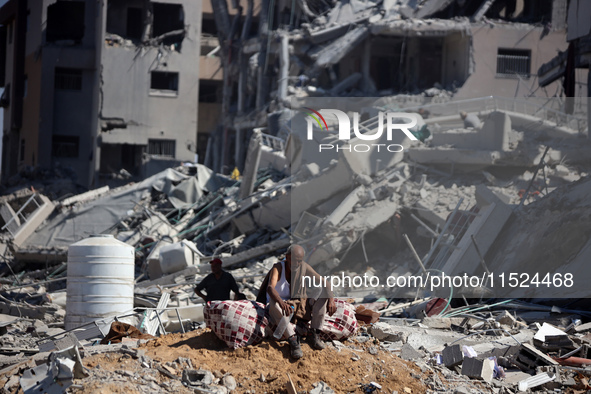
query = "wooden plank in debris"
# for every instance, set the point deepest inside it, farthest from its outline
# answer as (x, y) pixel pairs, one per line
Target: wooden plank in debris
(542, 356)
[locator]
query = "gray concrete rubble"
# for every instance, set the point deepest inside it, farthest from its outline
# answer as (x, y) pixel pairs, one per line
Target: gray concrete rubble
(403, 217)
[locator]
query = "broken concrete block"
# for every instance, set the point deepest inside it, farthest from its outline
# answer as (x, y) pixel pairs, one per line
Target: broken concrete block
(177, 257)
(321, 388)
(197, 377)
(529, 358)
(495, 132)
(382, 153)
(409, 353)
(583, 327)
(478, 369)
(385, 332)
(442, 322)
(310, 170)
(245, 223)
(229, 382)
(452, 356)
(506, 319)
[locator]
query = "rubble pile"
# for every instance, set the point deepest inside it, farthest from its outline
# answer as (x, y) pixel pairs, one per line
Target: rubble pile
(502, 196)
(398, 218)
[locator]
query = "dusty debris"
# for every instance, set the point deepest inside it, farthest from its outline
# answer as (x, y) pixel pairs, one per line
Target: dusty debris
(499, 192)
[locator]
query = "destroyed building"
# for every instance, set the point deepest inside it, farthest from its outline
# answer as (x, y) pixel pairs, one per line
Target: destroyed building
(572, 64)
(437, 49)
(502, 199)
(211, 72)
(99, 88)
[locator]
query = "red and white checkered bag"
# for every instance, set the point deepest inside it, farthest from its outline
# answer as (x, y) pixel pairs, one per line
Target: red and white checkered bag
(238, 323)
(342, 324)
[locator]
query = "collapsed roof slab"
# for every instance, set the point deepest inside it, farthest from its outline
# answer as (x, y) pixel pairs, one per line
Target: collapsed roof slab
(286, 209)
(338, 49)
(418, 28)
(431, 7)
(362, 221)
(495, 134)
(99, 215)
(551, 235)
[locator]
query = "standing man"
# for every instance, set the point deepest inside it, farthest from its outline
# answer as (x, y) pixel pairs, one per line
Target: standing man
(286, 276)
(218, 284)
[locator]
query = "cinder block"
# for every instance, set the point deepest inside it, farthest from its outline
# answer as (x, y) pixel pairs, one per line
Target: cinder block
(452, 356)
(478, 369)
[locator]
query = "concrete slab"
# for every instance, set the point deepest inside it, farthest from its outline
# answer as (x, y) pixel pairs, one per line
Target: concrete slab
(446, 155)
(485, 228)
(346, 206)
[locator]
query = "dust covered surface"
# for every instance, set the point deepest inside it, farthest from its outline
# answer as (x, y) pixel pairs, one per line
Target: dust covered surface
(344, 370)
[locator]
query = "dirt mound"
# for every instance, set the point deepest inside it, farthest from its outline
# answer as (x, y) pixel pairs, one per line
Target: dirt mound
(344, 369)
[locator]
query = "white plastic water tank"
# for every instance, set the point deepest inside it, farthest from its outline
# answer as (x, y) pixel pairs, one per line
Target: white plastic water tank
(100, 280)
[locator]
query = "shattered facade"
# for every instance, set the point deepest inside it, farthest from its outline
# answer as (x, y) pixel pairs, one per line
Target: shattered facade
(438, 50)
(211, 70)
(101, 90)
(456, 245)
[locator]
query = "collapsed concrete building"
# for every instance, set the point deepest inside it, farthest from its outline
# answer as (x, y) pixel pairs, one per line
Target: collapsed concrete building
(436, 48)
(99, 88)
(506, 197)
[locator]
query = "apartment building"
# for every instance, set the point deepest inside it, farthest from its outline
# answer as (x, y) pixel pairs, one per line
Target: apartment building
(99, 87)
(463, 49)
(211, 71)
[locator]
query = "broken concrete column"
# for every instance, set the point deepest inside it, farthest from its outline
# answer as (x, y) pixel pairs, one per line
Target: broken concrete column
(478, 369)
(283, 67)
(495, 132)
(346, 84)
(251, 166)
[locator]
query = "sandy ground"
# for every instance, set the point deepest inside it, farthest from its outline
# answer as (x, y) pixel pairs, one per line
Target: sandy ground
(344, 370)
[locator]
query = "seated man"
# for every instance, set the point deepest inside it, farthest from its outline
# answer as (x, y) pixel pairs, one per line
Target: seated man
(218, 284)
(284, 277)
